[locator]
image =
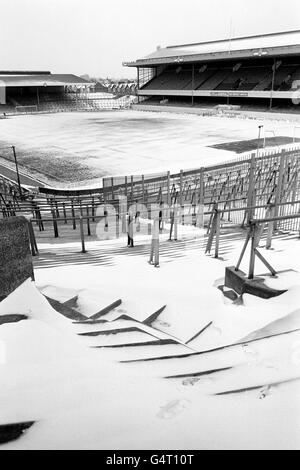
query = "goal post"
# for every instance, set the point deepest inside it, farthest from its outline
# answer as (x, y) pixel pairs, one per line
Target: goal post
(26, 109)
(291, 132)
(268, 133)
(296, 133)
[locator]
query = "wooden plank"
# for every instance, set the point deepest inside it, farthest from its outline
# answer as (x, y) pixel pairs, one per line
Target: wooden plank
(65, 310)
(279, 186)
(252, 255)
(270, 214)
(198, 374)
(4, 319)
(218, 232)
(154, 316)
(83, 250)
(117, 331)
(199, 333)
(72, 303)
(106, 310)
(262, 387)
(211, 351)
(212, 232)
(250, 197)
(265, 262)
(158, 342)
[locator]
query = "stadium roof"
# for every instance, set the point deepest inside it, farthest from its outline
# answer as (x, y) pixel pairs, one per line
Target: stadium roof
(269, 44)
(19, 72)
(39, 80)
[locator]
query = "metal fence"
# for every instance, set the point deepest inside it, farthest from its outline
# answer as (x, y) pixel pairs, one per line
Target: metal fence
(267, 179)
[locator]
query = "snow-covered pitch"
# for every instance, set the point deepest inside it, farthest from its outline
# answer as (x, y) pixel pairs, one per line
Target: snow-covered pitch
(84, 147)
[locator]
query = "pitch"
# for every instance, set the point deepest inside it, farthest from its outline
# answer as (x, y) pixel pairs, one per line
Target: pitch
(84, 147)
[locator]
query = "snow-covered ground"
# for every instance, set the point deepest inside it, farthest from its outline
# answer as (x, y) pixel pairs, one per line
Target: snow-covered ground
(127, 142)
(147, 384)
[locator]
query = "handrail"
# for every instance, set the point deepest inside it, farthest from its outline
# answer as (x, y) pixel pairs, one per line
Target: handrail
(275, 219)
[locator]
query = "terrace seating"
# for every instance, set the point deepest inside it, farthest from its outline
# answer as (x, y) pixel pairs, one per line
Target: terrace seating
(215, 80)
(252, 77)
(182, 79)
(230, 83)
(265, 83)
(296, 74)
(292, 81)
(282, 77)
(170, 80)
(200, 78)
(246, 78)
(24, 101)
(159, 83)
(209, 79)
(59, 102)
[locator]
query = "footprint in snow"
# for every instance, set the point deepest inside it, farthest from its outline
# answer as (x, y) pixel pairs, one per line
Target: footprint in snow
(249, 351)
(190, 382)
(172, 409)
(162, 323)
(264, 392)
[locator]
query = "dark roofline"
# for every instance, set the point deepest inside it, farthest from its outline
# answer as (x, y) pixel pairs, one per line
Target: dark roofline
(234, 39)
(13, 72)
(276, 51)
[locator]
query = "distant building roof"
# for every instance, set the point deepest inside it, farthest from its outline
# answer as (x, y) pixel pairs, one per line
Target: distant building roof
(274, 43)
(100, 87)
(13, 79)
(13, 72)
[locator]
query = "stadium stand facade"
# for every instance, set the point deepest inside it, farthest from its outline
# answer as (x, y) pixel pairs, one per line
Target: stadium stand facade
(41, 91)
(33, 88)
(257, 69)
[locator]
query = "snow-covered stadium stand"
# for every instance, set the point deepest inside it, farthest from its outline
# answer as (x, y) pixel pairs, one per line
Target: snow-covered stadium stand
(28, 92)
(265, 67)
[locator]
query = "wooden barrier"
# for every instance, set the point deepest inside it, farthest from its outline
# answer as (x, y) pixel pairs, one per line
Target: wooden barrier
(214, 231)
(154, 251)
(32, 239)
(83, 250)
(174, 224)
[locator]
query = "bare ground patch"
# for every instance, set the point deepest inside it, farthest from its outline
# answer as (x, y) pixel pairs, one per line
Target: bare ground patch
(51, 164)
(242, 146)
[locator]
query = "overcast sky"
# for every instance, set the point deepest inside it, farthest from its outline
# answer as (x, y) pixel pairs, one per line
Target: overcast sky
(95, 36)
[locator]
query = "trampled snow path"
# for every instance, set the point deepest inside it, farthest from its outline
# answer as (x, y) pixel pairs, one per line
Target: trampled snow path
(172, 386)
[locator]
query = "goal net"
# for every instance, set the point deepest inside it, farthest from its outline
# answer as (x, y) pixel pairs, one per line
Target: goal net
(296, 134)
(26, 109)
(281, 135)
